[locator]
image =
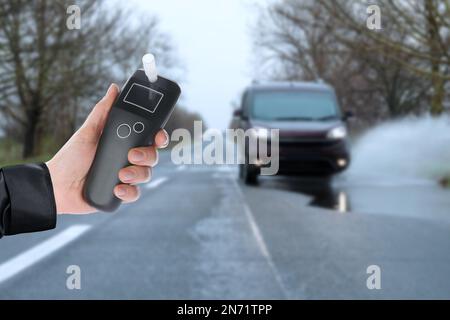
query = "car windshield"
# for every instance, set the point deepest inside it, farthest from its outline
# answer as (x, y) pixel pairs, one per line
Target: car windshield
(294, 105)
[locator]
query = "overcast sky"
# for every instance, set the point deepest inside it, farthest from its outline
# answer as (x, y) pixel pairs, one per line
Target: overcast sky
(213, 40)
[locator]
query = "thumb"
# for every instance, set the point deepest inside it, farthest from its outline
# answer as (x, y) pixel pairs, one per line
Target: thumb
(97, 118)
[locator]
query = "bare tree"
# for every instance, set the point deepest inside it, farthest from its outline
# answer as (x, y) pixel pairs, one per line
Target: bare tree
(308, 41)
(49, 74)
(425, 29)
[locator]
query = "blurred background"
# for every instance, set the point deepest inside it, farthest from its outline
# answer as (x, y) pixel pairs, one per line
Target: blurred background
(201, 232)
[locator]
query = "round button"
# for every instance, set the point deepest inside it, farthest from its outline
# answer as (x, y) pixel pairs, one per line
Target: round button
(123, 131)
(138, 127)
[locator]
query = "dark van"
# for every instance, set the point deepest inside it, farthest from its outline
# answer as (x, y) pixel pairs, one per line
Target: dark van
(313, 131)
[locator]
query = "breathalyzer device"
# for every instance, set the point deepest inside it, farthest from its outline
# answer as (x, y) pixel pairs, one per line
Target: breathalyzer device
(143, 107)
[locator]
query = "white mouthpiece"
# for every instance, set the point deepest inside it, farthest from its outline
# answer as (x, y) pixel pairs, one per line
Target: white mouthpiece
(148, 60)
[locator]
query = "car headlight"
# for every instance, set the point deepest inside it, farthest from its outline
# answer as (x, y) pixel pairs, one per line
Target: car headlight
(261, 132)
(337, 133)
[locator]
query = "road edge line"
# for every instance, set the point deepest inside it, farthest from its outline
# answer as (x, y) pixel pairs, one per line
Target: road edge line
(260, 240)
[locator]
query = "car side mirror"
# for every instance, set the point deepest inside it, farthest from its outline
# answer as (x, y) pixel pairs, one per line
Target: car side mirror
(347, 115)
(237, 113)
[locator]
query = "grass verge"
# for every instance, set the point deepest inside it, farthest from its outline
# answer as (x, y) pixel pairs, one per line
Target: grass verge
(11, 154)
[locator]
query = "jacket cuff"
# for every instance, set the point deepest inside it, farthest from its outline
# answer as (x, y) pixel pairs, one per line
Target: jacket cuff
(33, 206)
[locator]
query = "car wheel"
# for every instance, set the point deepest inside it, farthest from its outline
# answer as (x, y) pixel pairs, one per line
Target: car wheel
(250, 174)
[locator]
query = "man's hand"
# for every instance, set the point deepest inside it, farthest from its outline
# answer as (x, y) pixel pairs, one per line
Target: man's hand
(69, 167)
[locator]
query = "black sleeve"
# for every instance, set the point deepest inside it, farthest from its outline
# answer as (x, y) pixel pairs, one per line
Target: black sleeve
(27, 202)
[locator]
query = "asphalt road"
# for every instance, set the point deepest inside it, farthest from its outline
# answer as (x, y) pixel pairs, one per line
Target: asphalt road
(199, 233)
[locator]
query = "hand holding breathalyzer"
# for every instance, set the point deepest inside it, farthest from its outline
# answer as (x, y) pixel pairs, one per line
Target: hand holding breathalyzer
(115, 147)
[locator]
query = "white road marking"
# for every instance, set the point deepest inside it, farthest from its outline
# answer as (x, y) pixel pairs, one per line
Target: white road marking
(33, 255)
(226, 168)
(212, 168)
(259, 238)
(181, 167)
(155, 183)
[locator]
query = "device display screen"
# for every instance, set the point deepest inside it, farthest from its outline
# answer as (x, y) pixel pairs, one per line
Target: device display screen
(143, 97)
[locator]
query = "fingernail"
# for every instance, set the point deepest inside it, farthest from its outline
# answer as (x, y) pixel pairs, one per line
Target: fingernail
(166, 143)
(111, 87)
(129, 175)
(121, 191)
(157, 159)
(137, 155)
